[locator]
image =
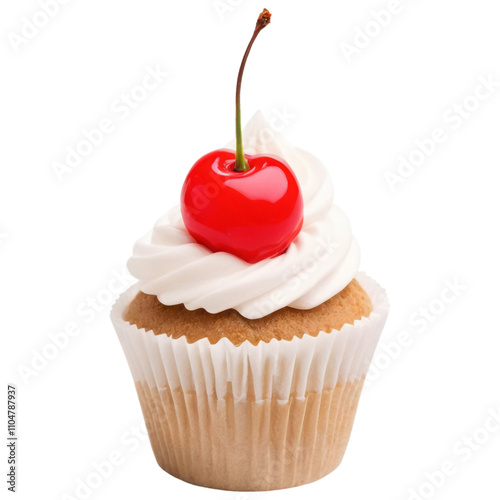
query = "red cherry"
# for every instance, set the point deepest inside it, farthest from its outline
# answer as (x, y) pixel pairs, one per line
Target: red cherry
(250, 206)
(254, 214)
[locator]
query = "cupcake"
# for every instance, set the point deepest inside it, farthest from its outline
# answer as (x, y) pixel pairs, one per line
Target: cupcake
(250, 331)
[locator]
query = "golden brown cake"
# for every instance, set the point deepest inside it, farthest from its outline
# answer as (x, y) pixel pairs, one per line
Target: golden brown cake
(147, 312)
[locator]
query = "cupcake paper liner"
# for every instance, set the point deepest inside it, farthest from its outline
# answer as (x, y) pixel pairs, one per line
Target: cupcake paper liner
(247, 417)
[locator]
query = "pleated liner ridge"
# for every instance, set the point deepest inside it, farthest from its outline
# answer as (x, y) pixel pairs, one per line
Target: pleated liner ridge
(250, 418)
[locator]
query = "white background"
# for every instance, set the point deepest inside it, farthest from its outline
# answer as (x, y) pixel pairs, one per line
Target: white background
(62, 240)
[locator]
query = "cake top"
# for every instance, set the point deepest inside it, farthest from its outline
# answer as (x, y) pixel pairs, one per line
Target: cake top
(320, 261)
(344, 308)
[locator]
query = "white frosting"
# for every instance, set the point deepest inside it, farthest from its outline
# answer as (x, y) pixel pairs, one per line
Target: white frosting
(319, 263)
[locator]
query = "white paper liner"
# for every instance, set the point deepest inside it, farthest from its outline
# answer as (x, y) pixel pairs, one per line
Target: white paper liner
(277, 370)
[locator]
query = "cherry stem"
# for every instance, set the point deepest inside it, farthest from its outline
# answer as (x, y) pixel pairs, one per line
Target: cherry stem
(241, 163)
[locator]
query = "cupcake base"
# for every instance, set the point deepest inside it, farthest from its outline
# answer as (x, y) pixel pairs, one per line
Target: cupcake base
(249, 445)
(251, 417)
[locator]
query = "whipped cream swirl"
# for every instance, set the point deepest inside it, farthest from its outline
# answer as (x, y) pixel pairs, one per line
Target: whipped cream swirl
(319, 263)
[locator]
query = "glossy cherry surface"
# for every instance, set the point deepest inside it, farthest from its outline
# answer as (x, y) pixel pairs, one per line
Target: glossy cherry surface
(254, 214)
(250, 206)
